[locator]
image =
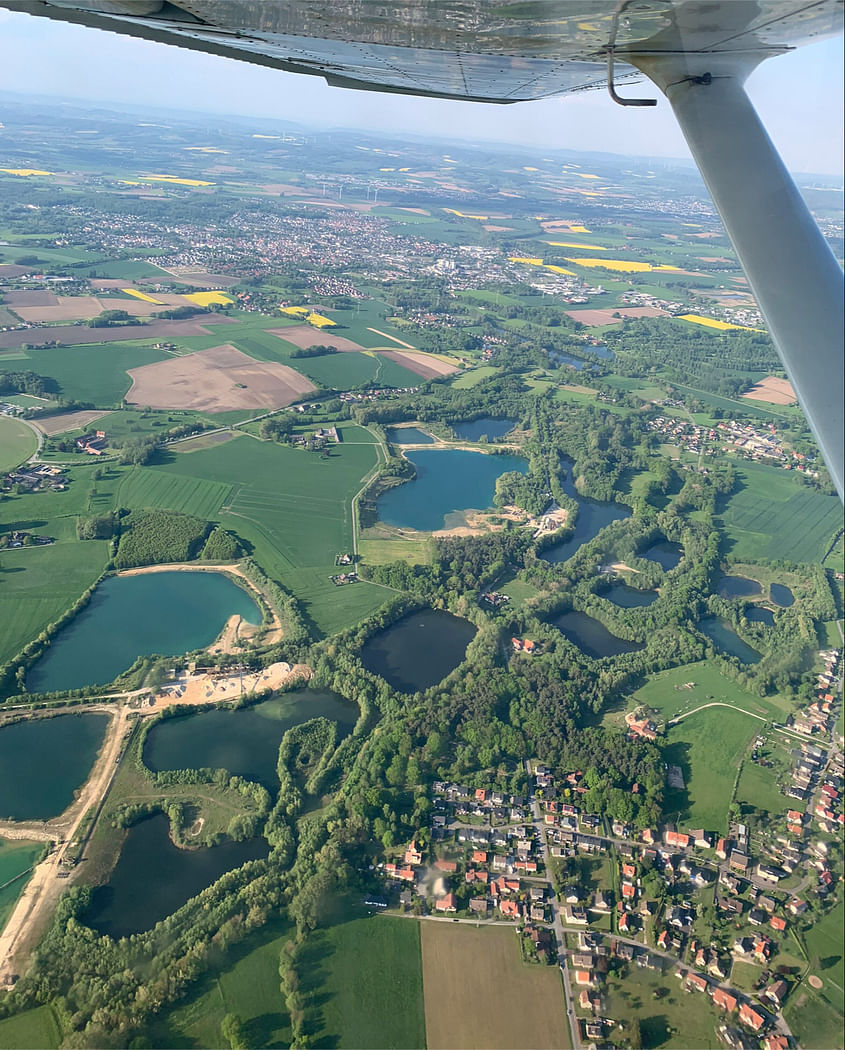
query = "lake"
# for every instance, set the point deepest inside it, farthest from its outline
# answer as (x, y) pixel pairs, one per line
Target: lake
(169, 613)
(487, 426)
(758, 614)
(666, 554)
(629, 597)
(44, 761)
(419, 650)
(738, 587)
(592, 637)
(448, 480)
(593, 516)
(408, 436)
(153, 878)
(724, 637)
(244, 741)
(560, 358)
(782, 595)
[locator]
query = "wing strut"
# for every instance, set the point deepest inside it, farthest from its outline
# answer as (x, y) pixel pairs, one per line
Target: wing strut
(793, 273)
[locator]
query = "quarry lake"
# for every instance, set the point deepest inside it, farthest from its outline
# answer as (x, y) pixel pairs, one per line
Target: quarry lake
(245, 741)
(738, 587)
(44, 761)
(782, 595)
(593, 515)
(628, 597)
(153, 878)
(409, 436)
(447, 481)
(490, 427)
(168, 613)
(724, 637)
(419, 650)
(592, 637)
(666, 554)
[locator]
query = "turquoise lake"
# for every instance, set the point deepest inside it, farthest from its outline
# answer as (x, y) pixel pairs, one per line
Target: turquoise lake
(168, 613)
(447, 481)
(44, 761)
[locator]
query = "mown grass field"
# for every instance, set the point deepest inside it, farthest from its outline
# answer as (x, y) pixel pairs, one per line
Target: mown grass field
(364, 979)
(16, 855)
(95, 373)
(143, 487)
(814, 1022)
(17, 443)
(248, 986)
(33, 1030)
(466, 380)
(480, 995)
(758, 788)
(707, 746)
(770, 515)
(824, 946)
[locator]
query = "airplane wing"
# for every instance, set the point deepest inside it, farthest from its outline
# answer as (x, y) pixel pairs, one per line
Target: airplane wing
(698, 52)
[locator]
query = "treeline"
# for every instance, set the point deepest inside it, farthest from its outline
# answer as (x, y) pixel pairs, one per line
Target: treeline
(27, 383)
(317, 350)
(150, 537)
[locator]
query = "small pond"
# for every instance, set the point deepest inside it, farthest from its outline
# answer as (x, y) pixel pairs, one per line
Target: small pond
(419, 650)
(724, 637)
(759, 614)
(490, 427)
(593, 515)
(738, 587)
(560, 358)
(153, 878)
(666, 554)
(629, 597)
(448, 481)
(169, 613)
(782, 595)
(244, 741)
(44, 761)
(592, 637)
(409, 436)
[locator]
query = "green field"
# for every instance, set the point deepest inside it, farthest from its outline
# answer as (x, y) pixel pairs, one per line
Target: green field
(365, 977)
(758, 788)
(17, 443)
(248, 987)
(771, 515)
(292, 508)
(813, 1021)
(474, 376)
(824, 946)
(143, 487)
(664, 692)
(707, 746)
(16, 856)
(93, 374)
(34, 1030)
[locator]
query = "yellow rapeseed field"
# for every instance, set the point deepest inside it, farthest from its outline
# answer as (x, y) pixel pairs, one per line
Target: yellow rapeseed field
(175, 180)
(463, 215)
(207, 298)
(387, 169)
(525, 259)
(621, 265)
(296, 311)
(24, 172)
(319, 321)
(142, 296)
(572, 244)
(525, 168)
(128, 182)
(710, 322)
(559, 269)
(576, 228)
(205, 149)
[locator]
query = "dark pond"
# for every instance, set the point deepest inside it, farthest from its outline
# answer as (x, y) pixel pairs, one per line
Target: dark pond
(666, 554)
(593, 515)
(592, 637)
(419, 650)
(738, 587)
(489, 426)
(782, 595)
(629, 597)
(725, 638)
(409, 436)
(245, 741)
(759, 614)
(602, 351)
(130, 616)
(43, 762)
(153, 878)
(560, 358)
(448, 481)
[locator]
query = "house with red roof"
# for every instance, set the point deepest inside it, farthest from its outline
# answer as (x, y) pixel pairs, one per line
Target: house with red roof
(696, 982)
(724, 1000)
(446, 865)
(676, 838)
(449, 903)
(748, 1015)
(777, 923)
(510, 909)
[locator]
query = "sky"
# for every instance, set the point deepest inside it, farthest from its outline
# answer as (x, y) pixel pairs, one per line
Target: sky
(799, 96)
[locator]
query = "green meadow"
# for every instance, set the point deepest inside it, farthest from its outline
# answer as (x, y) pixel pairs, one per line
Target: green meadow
(32, 1030)
(17, 443)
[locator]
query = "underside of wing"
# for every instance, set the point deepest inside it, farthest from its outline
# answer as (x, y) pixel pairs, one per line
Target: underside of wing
(478, 50)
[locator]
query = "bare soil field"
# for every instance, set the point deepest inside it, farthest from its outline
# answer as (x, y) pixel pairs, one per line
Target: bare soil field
(303, 335)
(599, 317)
(462, 966)
(773, 390)
(73, 335)
(426, 365)
(195, 278)
(495, 229)
(33, 297)
(64, 421)
(66, 308)
(284, 188)
(110, 282)
(197, 444)
(221, 379)
(13, 270)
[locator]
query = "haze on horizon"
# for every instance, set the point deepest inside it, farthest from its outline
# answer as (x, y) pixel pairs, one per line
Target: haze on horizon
(799, 97)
